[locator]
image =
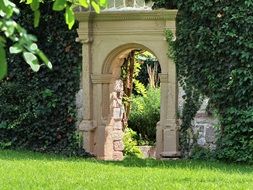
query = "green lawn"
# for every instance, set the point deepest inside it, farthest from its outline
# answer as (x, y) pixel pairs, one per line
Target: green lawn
(26, 170)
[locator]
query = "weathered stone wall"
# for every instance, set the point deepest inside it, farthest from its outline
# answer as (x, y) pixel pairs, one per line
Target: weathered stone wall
(204, 128)
(203, 125)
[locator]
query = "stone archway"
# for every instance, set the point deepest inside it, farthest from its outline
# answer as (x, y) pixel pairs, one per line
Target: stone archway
(107, 38)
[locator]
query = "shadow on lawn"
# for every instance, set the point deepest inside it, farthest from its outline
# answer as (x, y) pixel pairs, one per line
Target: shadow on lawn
(129, 162)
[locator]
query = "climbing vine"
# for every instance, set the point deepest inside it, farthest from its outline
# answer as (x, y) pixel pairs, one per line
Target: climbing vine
(214, 55)
(169, 4)
(192, 101)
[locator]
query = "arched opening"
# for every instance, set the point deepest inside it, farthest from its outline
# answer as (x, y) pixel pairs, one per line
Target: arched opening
(133, 100)
(135, 88)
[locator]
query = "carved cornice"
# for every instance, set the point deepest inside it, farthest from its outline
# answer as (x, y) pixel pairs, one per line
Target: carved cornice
(127, 15)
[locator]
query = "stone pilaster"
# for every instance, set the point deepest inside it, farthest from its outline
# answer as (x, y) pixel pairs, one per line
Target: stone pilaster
(86, 126)
(167, 128)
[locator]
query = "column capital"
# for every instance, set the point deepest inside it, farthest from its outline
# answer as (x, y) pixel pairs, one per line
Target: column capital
(83, 39)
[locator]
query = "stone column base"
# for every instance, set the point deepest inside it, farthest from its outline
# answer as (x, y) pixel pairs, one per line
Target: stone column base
(171, 154)
(167, 141)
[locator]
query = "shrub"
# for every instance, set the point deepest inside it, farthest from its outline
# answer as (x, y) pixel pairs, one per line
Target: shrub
(145, 113)
(130, 144)
(214, 55)
(37, 110)
(202, 153)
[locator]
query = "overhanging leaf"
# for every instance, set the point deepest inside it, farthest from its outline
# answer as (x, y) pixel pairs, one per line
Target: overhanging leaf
(44, 58)
(35, 5)
(36, 20)
(16, 48)
(69, 17)
(84, 3)
(95, 6)
(32, 60)
(59, 5)
(3, 63)
(103, 3)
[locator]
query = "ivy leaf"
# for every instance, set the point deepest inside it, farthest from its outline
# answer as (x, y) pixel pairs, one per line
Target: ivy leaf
(32, 60)
(3, 63)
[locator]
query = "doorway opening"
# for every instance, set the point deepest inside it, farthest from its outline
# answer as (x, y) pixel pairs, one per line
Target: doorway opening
(141, 100)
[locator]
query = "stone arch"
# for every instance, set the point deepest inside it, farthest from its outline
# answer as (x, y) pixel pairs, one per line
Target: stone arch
(106, 37)
(122, 49)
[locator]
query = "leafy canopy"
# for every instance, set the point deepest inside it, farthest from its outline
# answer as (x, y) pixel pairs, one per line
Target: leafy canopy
(25, 43)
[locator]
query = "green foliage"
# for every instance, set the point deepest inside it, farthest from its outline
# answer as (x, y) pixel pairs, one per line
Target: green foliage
(138, 86)
(214, 55)
(25, 43)
(22, 42)
(145, 113)
(37, 110)
(168, 4)
(202, 153)
(236, 142)
(130, 144)
(171, 43)
(3, 63)
(65, 5)
(192, 102)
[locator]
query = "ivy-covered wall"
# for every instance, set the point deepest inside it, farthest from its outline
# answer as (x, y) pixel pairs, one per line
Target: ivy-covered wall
(168, 4)
(214, 56)
(37, 110)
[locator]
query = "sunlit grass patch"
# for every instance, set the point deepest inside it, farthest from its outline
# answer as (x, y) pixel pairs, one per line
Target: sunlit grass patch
(28, 170)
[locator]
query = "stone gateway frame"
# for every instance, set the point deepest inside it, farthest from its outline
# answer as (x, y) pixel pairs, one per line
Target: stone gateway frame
(107, 38)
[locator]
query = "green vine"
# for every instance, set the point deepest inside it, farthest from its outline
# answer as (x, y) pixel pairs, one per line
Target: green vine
(192, 101)
(214, 56)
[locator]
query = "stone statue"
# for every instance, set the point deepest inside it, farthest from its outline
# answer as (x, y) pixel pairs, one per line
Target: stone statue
(117, 104)
(117, 96)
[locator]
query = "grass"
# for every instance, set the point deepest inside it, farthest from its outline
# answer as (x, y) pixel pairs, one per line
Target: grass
(28, 170)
